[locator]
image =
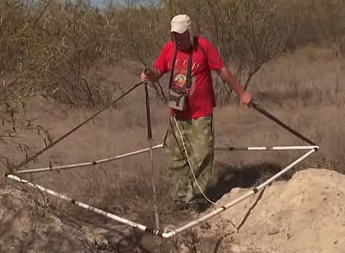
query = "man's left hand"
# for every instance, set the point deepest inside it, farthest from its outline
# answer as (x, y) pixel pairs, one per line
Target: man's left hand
(246, 98)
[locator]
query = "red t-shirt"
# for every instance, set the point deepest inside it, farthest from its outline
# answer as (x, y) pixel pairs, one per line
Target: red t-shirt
(204, 59)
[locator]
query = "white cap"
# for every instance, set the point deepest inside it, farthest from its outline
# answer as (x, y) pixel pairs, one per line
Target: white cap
(181, 23)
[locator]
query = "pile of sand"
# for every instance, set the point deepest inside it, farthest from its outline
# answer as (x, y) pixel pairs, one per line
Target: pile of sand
(305, 214)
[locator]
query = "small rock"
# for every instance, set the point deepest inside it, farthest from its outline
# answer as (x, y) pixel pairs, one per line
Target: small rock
(273, 231)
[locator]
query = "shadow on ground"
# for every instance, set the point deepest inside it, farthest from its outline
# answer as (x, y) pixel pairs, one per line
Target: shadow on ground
(228, 177)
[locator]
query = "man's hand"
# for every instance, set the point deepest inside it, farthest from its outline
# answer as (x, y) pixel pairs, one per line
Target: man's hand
(144, 76)
(246, 98)
(150, 75)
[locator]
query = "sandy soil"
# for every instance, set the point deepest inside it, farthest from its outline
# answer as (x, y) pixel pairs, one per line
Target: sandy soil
(304, 214)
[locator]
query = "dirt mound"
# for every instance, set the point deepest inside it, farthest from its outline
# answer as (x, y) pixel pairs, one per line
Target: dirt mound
(304, 214)
(26, 225)
(29, 222)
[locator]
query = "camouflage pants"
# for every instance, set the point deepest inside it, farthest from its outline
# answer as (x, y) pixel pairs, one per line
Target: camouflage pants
(198, 141)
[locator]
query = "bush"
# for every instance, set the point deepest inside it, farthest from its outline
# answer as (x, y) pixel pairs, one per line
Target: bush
(53, 46)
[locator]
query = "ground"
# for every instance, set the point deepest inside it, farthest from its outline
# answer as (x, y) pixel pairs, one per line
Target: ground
(305, 214)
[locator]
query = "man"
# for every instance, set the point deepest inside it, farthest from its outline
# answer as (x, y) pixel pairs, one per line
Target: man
(190, 141)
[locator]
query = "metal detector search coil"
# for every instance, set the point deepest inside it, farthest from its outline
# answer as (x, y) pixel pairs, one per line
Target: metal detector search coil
(311, 148)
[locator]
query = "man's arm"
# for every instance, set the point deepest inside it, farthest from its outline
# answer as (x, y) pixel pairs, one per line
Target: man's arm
(233, 82)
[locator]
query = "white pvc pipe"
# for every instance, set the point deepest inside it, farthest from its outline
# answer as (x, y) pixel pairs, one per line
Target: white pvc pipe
(270, 180)
(266, 148)
(178, 230)
(75, 202)
(282, 148)
(79, 165)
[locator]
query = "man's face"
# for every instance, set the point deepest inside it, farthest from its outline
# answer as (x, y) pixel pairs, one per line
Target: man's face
(182, 41)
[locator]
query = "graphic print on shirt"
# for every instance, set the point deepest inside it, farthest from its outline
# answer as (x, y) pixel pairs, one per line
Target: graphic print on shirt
(180, 76)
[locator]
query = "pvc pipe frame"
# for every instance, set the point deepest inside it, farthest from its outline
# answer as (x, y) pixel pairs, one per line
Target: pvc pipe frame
(79, 165)
(166, 234)
(92, 163)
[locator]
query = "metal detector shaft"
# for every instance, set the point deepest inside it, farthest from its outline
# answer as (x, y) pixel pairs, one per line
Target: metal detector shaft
(149, 138)
(148, 114)
(271, 117)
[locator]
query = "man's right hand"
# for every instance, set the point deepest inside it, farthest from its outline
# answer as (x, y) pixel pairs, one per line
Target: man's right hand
(149, 75)
(144, 77)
